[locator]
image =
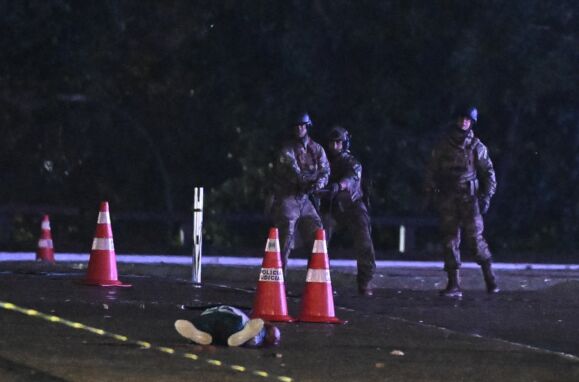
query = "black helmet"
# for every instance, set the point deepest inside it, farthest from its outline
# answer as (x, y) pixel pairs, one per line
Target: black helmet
(301, 119)
(340, 134)
(467, 111)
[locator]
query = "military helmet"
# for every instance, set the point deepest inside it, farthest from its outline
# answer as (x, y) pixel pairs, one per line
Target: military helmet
(338, 133)
(467, 111)
(301, 119)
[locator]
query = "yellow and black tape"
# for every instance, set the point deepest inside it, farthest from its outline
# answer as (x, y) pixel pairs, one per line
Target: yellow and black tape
(142, 344)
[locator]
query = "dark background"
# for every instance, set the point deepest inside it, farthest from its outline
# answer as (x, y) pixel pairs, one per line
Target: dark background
(137, 102)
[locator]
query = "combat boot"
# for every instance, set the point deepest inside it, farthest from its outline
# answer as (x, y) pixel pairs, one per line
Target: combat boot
(452, 289)
(365, 290)
(490, 278)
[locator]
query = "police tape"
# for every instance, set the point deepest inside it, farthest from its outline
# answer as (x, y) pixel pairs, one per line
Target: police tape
(143, 344)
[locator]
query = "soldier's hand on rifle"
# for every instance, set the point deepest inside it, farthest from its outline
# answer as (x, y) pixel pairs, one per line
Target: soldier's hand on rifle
(309, 177)
(334, 188)
(484, 204)
(308, 183)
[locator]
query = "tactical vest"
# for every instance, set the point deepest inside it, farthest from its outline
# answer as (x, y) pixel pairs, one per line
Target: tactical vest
(457, 170)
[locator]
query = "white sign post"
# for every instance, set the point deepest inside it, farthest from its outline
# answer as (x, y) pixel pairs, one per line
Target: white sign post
(402, 239)
(197, 232)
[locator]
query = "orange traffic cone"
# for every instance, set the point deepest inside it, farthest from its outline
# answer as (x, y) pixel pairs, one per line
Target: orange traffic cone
(45, 251)
(102, 265)
(318, 298)
(270, 302)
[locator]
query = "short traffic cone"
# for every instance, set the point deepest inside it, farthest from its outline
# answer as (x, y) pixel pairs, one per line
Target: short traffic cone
(102, 265)
(45, 251)
(270, 302)
(318, 298)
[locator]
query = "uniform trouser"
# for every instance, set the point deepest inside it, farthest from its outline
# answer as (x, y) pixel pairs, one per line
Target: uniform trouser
(357, 221)
(460, 217)
(290, 211)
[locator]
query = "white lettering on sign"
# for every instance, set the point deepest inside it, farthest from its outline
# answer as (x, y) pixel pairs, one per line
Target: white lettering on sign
(272, 245)
(320, 247)
(271, 274)
(318, 276)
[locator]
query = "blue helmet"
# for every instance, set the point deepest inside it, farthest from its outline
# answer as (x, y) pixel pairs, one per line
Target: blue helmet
(302, 119)
(467, 111)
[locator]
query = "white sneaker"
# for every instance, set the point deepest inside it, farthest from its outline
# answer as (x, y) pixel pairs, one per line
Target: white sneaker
(251, 329)
(189, 331)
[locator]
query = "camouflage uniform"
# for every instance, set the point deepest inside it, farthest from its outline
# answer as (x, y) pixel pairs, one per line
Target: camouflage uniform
(300, 169)
(461, 178)
(349, 210)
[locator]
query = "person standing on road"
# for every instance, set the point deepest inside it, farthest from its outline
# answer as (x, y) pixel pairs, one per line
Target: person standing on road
(460, 182)
(301, 169)
(345, 205)
(228, 326)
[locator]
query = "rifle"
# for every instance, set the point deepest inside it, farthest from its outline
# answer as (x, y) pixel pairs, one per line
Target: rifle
(324, 193)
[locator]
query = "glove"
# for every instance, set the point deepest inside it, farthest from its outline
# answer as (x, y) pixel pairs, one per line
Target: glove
(484, 204)
(308, 183)
(309, 177)
(334, 188)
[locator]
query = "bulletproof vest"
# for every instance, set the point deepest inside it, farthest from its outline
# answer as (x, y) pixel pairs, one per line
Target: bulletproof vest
(457, 158)
(306, 158)
(297, 159)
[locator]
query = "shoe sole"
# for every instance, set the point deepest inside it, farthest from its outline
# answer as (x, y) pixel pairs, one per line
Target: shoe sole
(251, 329)
(457, 295)
(189, 331)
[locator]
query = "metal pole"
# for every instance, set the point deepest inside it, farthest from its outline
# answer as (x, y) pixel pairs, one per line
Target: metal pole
(197, 232)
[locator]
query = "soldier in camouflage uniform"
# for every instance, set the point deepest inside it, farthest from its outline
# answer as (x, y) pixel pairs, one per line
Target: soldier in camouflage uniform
(345, 205)
(460, 181)
(300, 170)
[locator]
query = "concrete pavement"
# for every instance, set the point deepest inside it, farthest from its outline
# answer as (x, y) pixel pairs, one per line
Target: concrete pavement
(404, 333)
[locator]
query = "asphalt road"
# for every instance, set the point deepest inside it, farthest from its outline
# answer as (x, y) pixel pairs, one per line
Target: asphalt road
(54, 329)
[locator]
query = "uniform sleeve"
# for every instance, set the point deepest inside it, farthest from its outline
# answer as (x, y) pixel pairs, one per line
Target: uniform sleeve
(432, 168)
(485, 172)
(323, 173)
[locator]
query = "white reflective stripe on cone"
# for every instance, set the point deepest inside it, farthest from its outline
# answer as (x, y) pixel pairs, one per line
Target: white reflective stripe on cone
(320, 247)
(318, 276)
(45, 225)
(44, 243)
(272, 245)
(271, 274)
(103, 244)
(104, 218)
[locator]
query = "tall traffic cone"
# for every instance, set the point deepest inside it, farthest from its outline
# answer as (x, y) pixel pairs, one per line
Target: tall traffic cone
(102, 265)
(270, 302)
(318, 298)
(45, 250)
